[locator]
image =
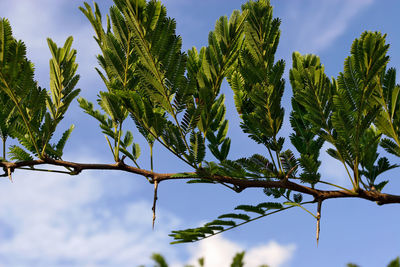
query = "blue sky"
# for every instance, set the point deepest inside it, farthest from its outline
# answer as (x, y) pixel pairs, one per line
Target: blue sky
(104, 218)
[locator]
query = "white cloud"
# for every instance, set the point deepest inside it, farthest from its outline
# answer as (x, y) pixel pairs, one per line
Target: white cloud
(218, 251)
(51, 220)
(56, 220)
(273, 254)
(313, 25)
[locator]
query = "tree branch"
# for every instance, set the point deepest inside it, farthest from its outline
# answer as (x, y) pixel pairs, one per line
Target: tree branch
(242, 183)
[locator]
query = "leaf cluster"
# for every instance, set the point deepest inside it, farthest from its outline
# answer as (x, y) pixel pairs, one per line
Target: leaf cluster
(174, 98)
(354, 113)
(31, 114)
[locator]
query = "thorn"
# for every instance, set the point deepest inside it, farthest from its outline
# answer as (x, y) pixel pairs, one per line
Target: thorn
(290, 172)
(9, 174)
(154, 202)
(318, 219)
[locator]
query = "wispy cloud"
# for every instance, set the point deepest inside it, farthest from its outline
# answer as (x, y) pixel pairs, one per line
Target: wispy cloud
(272, 253)
(311, 26)
(53, 220)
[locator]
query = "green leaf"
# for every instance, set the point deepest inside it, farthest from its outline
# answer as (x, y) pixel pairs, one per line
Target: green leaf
(63, 140)
(197, 147)
(270, 205)
(221, 222)
(250, 208)
(18, 154)
(390, 146)
(298, 198)
(225, 149)
(128, 139)
(111, 105)
(89, 109)
(159, 260)
(238, 260)
(379, 187)
(235, 216)
(135, 150)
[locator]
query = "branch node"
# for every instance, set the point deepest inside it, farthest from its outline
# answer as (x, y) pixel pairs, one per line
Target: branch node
(239, 189)
(76, 171)
(152, 179)
(287, 176)
(121, 162)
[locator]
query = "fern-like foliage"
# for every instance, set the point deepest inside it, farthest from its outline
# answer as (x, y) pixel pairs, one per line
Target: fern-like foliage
(353, 113)
(33, 113)
(247, 213)
(63, 80)
(174, 98)
(8, 113)
(17, 84)
(257, 82)
(310, 117)
(388, 120)
(144, 67)
(228, 221)
(342, 112)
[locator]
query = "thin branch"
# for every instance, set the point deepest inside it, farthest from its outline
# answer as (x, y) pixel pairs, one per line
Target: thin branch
(245, 222)
(162, 142)
(335, 185)
(253, 219)
(230, 187)
(4, 148)
(291, 203)
(151, 157)
(46, 170)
